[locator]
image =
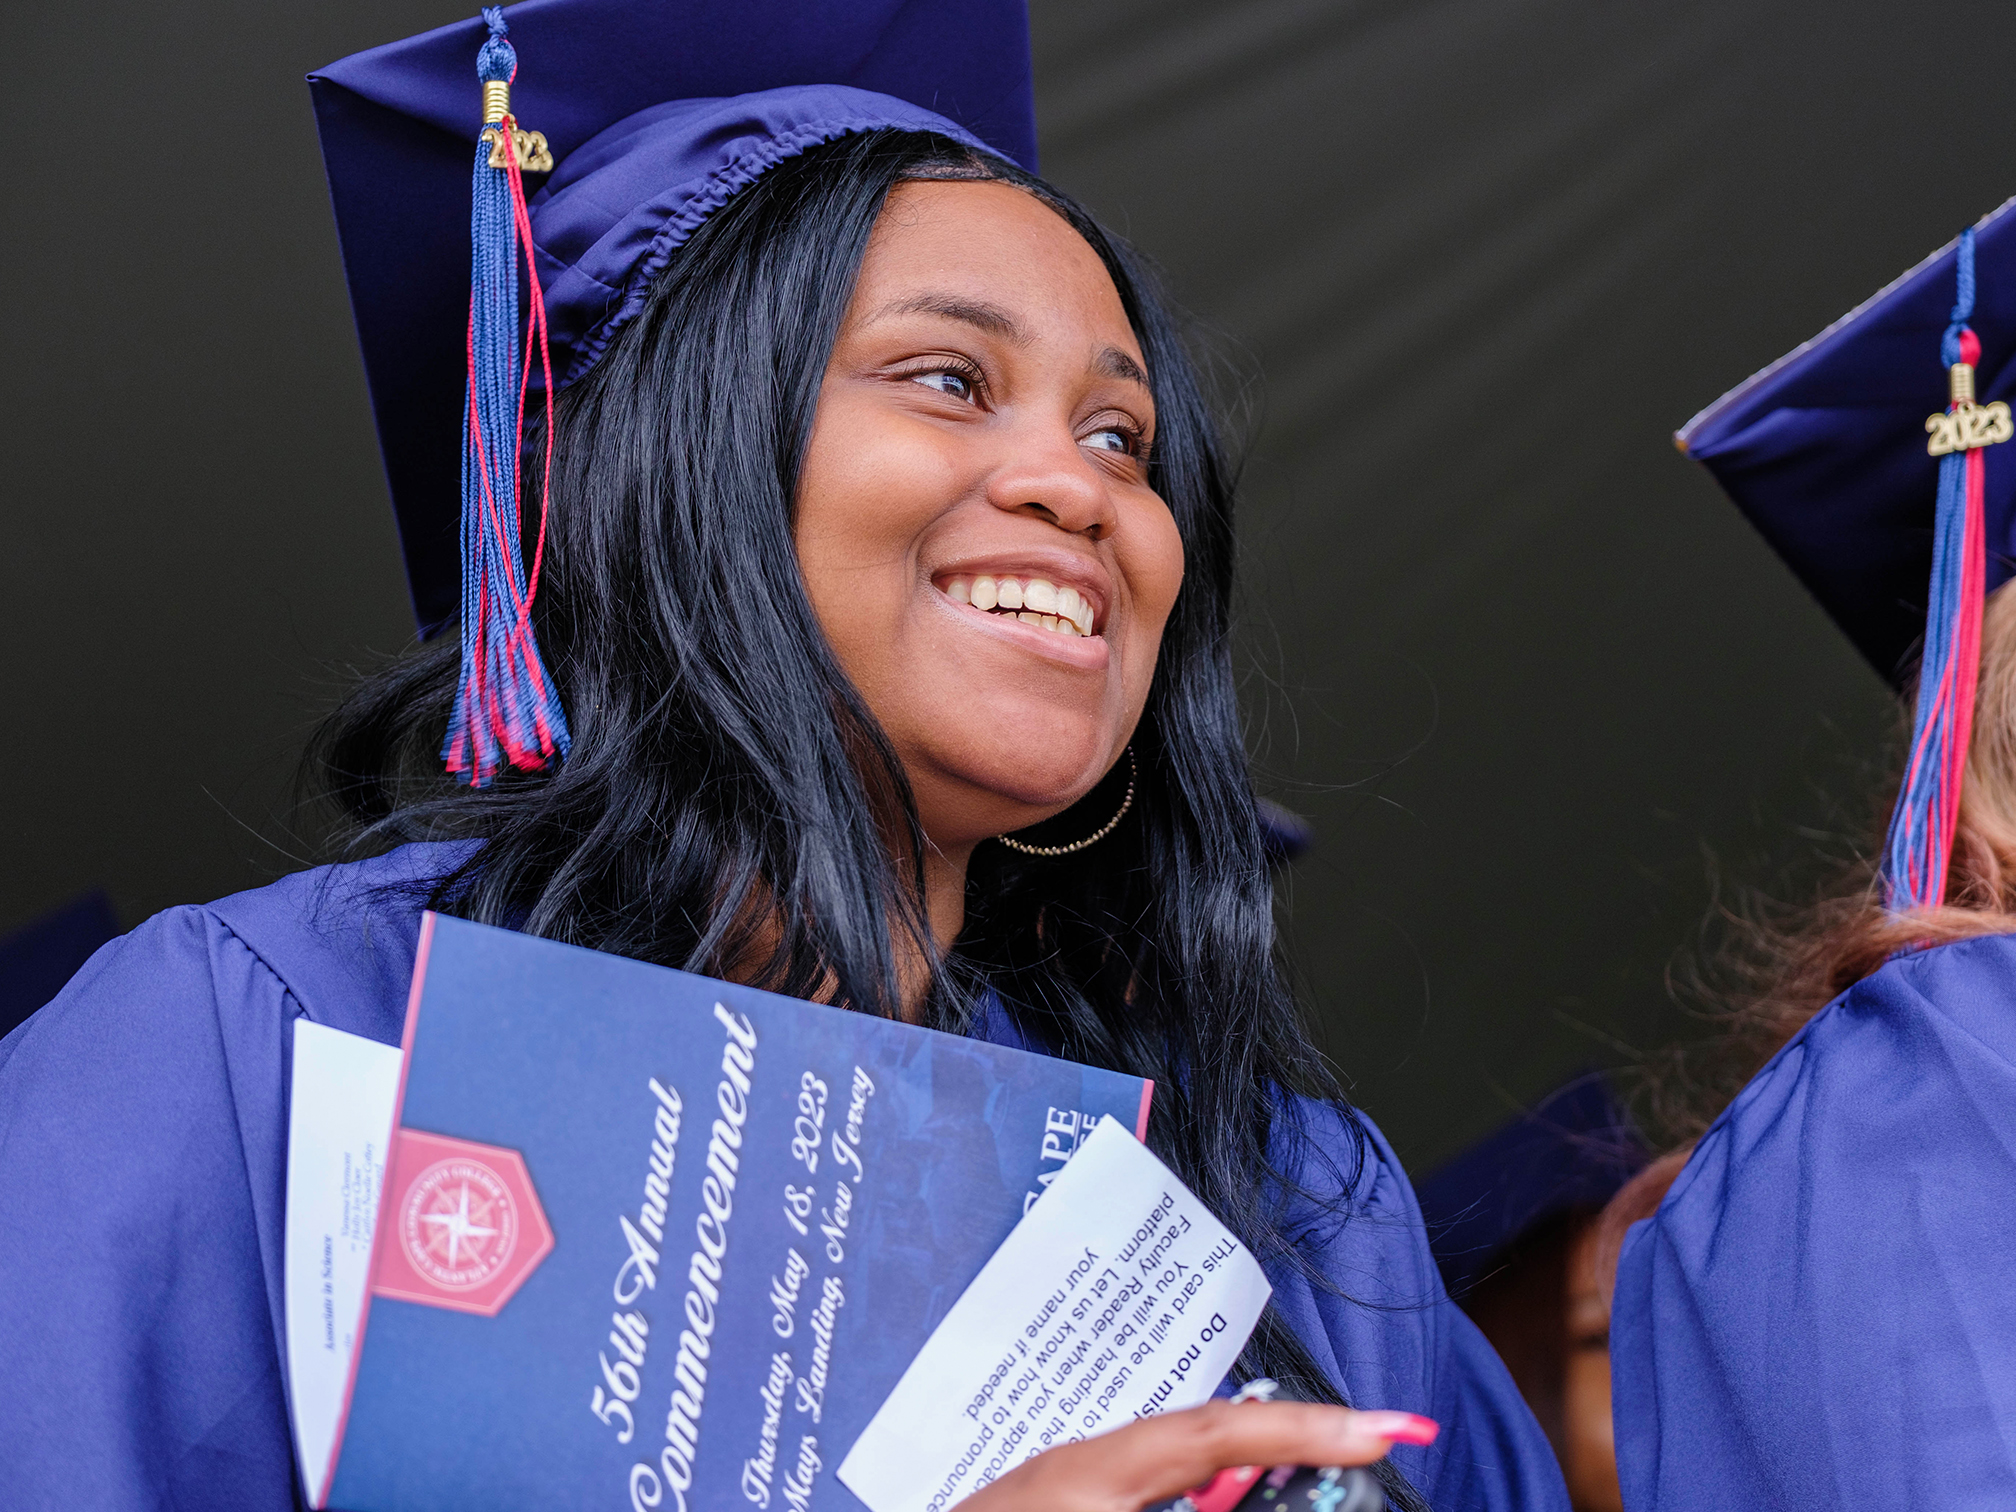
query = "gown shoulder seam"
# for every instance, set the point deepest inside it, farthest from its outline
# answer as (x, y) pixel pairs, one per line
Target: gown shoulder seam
(287, 992)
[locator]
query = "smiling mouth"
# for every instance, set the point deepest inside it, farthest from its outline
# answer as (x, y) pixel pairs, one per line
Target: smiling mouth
(1033, 600)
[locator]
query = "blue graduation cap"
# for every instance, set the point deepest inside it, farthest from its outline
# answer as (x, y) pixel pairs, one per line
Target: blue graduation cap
(1284, 834)
(1575, 1149)
(39, 957)
(476, 295)
(1861, 456)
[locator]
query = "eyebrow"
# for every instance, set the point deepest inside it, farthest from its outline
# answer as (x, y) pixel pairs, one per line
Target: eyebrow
(1111, 363)
(992, 319)
(1115, 363)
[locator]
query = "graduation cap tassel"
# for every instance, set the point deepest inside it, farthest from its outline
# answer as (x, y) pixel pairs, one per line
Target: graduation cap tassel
(1920, 846)
(507, 710)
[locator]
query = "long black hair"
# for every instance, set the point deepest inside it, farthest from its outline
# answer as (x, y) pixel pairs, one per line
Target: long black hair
(731, 805)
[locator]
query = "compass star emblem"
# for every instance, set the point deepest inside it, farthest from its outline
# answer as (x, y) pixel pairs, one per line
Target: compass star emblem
(457, 1226)
(459, 1223)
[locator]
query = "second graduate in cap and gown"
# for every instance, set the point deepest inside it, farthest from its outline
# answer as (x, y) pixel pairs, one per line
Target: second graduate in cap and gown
(1822, 1311)
(827, 557)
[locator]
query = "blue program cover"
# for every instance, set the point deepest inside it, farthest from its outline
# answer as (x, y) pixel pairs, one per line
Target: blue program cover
(650, 1240)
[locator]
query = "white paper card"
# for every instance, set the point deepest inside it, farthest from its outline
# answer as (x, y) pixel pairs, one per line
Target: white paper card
(1118, 1296)
(339, 1126)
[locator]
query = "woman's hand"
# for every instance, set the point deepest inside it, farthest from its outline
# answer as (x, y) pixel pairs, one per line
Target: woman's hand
(1161, 1457)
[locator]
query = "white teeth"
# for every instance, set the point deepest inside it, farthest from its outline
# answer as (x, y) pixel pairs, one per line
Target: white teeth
(1048, 622)
(1071, 605)
(1038, 601)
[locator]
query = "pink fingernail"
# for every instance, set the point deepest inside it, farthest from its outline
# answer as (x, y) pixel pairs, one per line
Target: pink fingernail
(1401, 1427)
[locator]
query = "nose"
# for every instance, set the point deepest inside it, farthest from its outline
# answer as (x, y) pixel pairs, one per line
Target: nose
(1046, 474)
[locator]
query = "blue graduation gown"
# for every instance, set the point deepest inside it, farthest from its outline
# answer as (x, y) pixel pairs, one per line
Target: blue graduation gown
(143, 1127)
(1822, 1314)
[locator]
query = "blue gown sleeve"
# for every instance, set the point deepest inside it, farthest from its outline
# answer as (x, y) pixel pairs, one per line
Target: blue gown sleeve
(142, 1146)
(1822, 1313)
(143, 1143)
(1389, 1336)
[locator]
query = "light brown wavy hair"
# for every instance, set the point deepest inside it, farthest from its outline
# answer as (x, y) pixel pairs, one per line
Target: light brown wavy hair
(1779, 965)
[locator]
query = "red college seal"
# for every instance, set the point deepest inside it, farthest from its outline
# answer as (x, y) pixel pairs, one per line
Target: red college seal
(458, 1223)
(461, 1225)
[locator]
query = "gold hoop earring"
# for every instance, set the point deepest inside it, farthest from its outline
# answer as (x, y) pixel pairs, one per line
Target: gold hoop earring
(1133, 772)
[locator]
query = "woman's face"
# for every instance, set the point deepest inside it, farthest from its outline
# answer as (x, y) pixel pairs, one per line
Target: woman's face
(975, 525)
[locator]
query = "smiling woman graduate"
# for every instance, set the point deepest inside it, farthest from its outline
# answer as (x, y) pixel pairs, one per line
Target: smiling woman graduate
(856, 625)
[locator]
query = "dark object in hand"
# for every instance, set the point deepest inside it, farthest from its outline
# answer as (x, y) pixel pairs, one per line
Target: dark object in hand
(1285, 1488)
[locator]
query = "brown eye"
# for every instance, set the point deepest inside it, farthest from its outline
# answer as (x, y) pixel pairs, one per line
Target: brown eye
(953, 385)
(1124, 437)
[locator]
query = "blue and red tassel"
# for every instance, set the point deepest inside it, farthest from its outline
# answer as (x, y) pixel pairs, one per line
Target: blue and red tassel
(507, 709)
(1919, 851)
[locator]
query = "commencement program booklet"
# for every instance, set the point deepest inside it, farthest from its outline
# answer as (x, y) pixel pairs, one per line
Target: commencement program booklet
(603, 1234)
(1119, 1295)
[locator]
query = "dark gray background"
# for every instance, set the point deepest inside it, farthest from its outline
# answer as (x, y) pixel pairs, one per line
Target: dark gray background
(1534, 681)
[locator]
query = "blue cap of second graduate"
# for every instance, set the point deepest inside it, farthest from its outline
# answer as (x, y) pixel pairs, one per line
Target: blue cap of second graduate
(1870, 459)
(1826, 452)
(627, 123)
